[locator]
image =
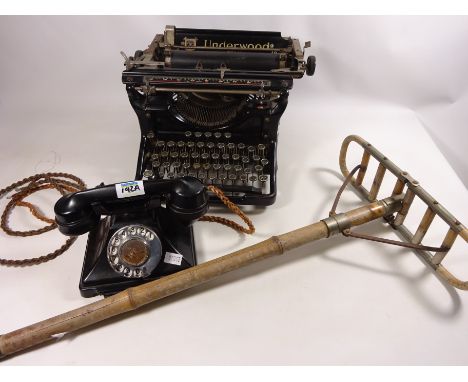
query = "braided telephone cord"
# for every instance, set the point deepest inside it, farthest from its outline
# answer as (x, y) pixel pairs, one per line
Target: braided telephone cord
(233, 208)
(60, 181)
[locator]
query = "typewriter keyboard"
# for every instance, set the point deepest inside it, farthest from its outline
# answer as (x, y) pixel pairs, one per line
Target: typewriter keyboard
(214, 158)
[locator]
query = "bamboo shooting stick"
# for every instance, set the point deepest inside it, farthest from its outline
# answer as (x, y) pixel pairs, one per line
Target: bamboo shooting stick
(135, 297)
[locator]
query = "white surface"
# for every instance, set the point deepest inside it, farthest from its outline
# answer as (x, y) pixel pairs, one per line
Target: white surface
(338, 301)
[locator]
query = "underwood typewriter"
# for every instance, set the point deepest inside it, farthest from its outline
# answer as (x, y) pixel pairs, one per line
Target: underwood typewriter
(209, 104)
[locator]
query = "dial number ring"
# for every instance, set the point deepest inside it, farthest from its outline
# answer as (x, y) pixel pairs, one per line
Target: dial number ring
(134, 251)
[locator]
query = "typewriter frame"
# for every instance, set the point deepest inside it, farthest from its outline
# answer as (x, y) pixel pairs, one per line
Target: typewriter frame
(172, 65)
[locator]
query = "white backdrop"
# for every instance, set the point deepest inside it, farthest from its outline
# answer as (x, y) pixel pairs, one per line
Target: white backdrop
(400, 82)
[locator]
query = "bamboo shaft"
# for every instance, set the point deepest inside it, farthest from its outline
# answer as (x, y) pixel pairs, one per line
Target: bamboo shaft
(135, 297)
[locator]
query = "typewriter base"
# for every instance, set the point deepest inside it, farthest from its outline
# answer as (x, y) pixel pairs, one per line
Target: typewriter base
(98, 278)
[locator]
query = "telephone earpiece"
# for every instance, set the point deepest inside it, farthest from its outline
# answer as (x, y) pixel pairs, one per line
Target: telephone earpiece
(188, 199)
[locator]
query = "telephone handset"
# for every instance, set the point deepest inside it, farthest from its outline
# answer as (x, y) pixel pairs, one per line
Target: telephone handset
(145, 234)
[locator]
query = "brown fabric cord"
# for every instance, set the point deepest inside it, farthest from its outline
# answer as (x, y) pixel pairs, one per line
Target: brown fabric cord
(60, 181)
(235, 209)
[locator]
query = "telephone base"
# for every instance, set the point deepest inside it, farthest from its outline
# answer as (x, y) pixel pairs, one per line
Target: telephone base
(177, 243)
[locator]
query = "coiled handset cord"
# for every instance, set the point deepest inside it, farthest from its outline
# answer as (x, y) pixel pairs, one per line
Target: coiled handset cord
(66, 183)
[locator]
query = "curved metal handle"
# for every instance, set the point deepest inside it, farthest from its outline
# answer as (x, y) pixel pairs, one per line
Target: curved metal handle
(411, 188)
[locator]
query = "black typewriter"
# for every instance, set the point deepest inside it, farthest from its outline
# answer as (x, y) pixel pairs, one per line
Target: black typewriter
(209, 104)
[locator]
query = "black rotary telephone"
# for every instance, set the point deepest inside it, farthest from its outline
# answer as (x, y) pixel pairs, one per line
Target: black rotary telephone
(145, 233)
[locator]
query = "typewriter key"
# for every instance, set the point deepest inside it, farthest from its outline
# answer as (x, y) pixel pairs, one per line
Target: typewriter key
(210, 145)
(231, 146)
(225, 157)
(243, 177)
(208, 134)
(212, 175)
(205, 156)
(258, 168)
(192, 173)
(188, 134)
(237, 168)
(206, 166)
(227, 167)
(176, 165)
(245, 159)
(202, 175)
(261, 149)
(216, 166)
(217, 135)
(170, 175)
(251, 149)
(184, 155)
(198, 134)
(222, 176)
(170, 144)
(255, 158)
(235, 157)
(166, 164)
(190, 144)
(221, 146)
(195, 155)
(241, 146)
(263, 178)
(264, 162)
(247, 170)
(155, 156)
(253, 179)
(196, 166)
(215, 156)
(200, 145)
(227, 135)
(156, 164)
(164, 154)
(148, 173)
(174, 154)
(180, 144)
(160, 144)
